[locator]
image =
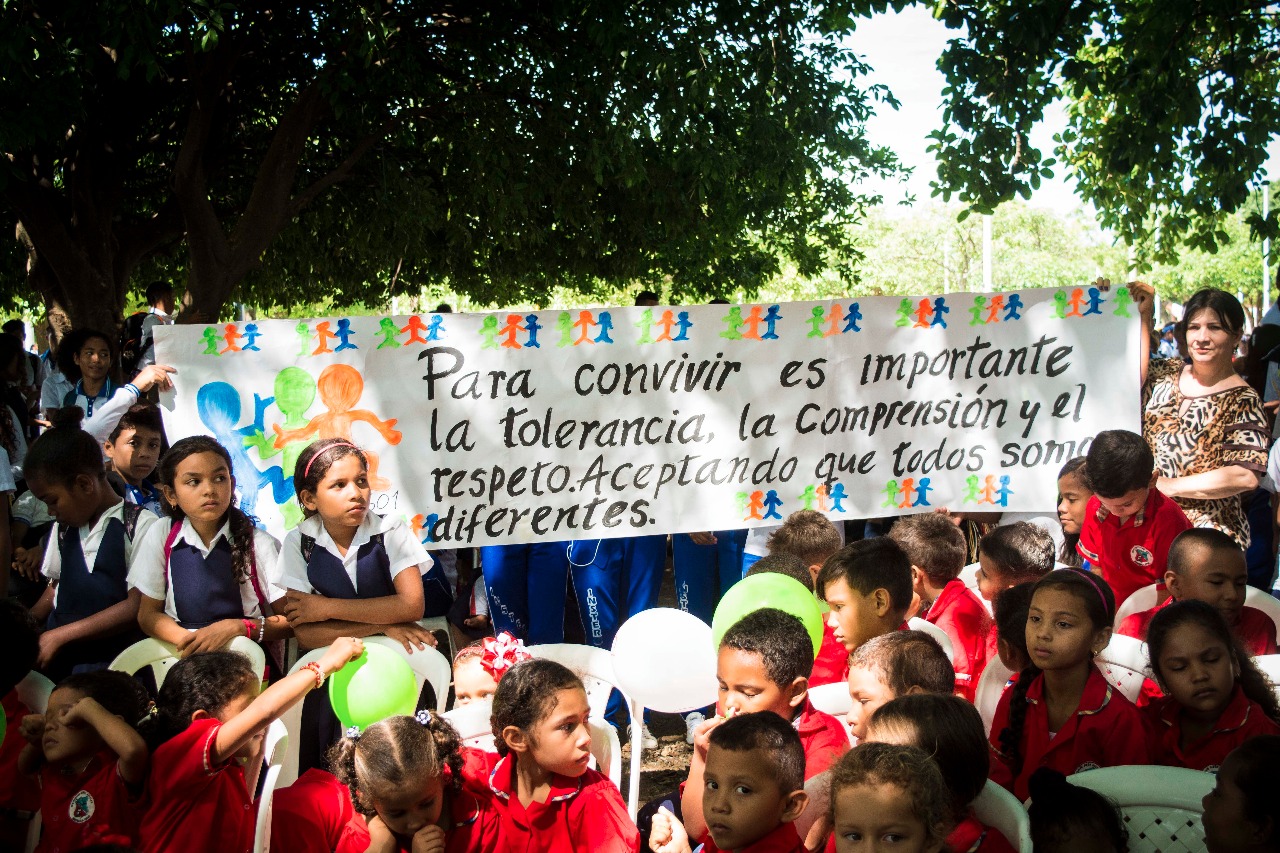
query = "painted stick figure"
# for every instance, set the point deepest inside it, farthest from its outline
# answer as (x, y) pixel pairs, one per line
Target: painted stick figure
(1002, 494)
(683, 325)
(923, 314)
(755, 507)
(940, 310)
(1060, 304)
(753, 321)
(606, 326)
(988, 490)
(816, 318)
(230, 334)
(1013, 308)
(1077, 303)
(833, 321)
(387, 331)
(489, 331)
(1122, 301)
(771, 504)
(295, 391)
(771, 318)
(994, 309)
(904, 314)
(732, 321)
(665, 324)
(303, 331)
(510, 330)
(584, 324)
(531, 327)
(890, 494)
(822, 491)
(435, 329)
(344, 335)
(809, 497)
(975, 313)
(1095, 302)
(970, 489)
(210, 338)
(838, 496)
(852, 317)
(922, 492)
(645, 326)
(323, 336)
(908, 492)
(218, 405)
(415, 327)
(741, 500)
(251, 335)
(564, 325)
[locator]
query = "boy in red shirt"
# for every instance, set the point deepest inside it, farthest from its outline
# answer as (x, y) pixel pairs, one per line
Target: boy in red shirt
(937, 551)
(811, 537)
(900, 663)
(867, 585)
(1128, 524)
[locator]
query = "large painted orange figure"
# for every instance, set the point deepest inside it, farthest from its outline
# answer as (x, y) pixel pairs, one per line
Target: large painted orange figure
(340, 387)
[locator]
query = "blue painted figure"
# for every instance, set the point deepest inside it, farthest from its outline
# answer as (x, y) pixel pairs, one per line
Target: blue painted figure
(837, 494)
(1095, 302)
(435, 329)
(218, 405)
(1013, 308)
(939, 310)
(531, 327)
(251, 335)
(771, 504)
(922, 492)
(852, 317)
(605, 321)
(684, 324)
(771, 318)
(1002, 494)
(344, 335)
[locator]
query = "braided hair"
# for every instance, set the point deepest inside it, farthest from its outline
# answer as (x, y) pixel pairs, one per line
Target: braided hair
(395, 751)
(242, 526)
(1100, 608)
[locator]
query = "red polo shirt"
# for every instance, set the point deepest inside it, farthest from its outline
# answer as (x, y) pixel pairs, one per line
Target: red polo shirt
(16, 790)
(1132, 554)
(784, 839)
(832, 663)
(90, 807)
(959, 613)
(586, 813)
(1240, 720)
(1106, 730)
(1255, 630)
(824, 738)
(973, 836)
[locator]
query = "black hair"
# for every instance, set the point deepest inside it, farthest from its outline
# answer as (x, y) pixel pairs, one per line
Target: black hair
(394, 751)
(1022, 550)
(905, 767)
(1253, 682)
(1067, 553)
(1255, 763)
(1119, 462)
(20, 639)
(948, 729)
(1010, 612)
(1063, 815)
(70, 347)
(118, 692)
(10, 349)
(1100, 608)
(316, 459)
(526, 696)
(1229, 310)
(783, 564)
(139, 416)
(1194, 538)
(156, 289)
(868, 565)
(14, 326)
(772, 735)
(933, 544)
(779, 638)
(64, 451)
(905, 660)
(808, 534)
(207, 681)
(243, 554)
(644, 295)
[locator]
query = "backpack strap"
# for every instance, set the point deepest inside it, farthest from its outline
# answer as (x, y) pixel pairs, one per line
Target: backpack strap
(131, 513)
(308, 544)
(174, 527)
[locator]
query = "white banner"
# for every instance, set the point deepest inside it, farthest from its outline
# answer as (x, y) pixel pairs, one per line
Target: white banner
(521, 426)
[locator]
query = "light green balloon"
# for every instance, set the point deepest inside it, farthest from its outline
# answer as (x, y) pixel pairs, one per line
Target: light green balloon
(374, 686)
(768, 590)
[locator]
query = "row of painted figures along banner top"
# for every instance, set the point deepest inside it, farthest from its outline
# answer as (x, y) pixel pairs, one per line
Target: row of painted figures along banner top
(512, 427)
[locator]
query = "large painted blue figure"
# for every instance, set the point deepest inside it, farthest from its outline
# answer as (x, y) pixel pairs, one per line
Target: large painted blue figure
(218, 405)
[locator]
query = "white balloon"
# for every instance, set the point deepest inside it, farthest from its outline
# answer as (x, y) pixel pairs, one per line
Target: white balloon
(664, 659)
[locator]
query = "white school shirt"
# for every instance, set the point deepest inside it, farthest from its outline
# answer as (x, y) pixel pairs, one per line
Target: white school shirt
(6, 473)
(154, 318)
(148, 575)
(54, 390)
(106, 412)
(30, 510)
(403, 550)
(14, 463)
(91, 538)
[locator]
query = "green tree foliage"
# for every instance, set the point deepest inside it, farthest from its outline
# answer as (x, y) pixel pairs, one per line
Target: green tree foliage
(1171, 106)
(353, 150)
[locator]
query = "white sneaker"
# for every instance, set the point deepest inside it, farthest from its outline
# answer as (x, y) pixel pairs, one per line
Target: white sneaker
(691, 721)
(647, 740)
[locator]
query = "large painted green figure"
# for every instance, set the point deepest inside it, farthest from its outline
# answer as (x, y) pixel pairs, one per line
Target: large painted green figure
(295, 391)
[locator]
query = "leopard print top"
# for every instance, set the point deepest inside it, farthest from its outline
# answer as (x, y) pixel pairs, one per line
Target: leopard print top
(1192, 435)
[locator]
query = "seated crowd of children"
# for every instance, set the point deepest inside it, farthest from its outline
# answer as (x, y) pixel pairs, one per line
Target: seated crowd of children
(115, 761)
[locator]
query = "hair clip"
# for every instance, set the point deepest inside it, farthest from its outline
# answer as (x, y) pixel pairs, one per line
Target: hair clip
(353, 733)
(423, 716)
(501, 653)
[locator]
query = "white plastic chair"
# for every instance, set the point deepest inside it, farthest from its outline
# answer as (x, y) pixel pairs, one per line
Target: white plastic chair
(161, 656)
(834, 699)
(1142, 599)
(1160, 806)
(276, 744)
(918, 624)
(1125, 665)
(1264, 601)
(33, 691)
(1270, 666)
(472, 723)
(995, 676)
(262, 832)
(997, 808)
(606, 750)
(428, 666)
(441, 623)
(969, 575)
(595, 668)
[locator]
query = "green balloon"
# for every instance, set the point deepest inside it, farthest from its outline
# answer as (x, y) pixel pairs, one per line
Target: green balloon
(374, 686)
(768, 590)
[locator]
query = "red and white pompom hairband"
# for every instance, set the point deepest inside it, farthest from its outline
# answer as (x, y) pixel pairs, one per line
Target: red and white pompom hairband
(501, 653)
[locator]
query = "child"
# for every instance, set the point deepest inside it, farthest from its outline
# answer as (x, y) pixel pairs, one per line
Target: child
(936, 549)
(1011, 608)
(950, 731)
(202, 576)
(90, 760)
(102, 401)
(92, 614)
(754, 791)
(1016, 553)
(1128, 524)
(784, 564)
(1217, 699)
(404, 784)
(1240, 811)
(882, 792)
(206, 747)
(546, 796)
(867, 585)
(1066, 818)
(1073, 497)
(1207, 565)
(1062, 713)
(132, 450)
(898, 664)
(480, 666)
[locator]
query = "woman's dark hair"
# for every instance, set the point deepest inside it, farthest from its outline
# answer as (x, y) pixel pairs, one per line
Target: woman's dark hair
(1255, 763)
(316, 459)
(1067, 554)
(1255, 685)
(1063, 815)
(946, 728)
(1226, 306)
(395, 751)
(242, 548)
(526, 696)
(70, 347)
(118, 692)
(1100, 608)
(64, 451)
(207, 682)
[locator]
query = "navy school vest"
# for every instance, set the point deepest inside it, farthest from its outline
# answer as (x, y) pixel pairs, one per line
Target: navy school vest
(82, 593)
(205, 589)
(328, 577)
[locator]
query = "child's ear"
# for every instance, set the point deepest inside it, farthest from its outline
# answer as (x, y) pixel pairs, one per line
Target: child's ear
(794, 805)
(167, 492)
(307, 498)
(1155, 475)
(515, 739)
(796, 691)
(200, 714)
(1101, 639)
(1172, 582)
(814, 571)
(85, 483)
(882, 602)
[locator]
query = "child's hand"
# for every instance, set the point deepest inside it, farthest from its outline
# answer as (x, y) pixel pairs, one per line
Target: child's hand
(667, 835)
(702, 734)
(481, 621)
(154, 376)
(429, 839)
(302, 607)
(211, 637)
(50, 644)
(32, 729)
(411, 635)
(705, 538)
(1144, 296)
(380, 838)
(338, 655)
(26, 562)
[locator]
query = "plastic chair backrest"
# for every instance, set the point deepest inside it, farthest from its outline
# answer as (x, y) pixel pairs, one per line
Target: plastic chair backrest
(1261, 600)
(831, 698)
(1270, 666)
(1160, 805)
(1142, 599)
(472, 723)
(161, 656)
(33, 691)
(969, 575)
(1124, 664)
(276, 744)
(441, 623)
(262, 832)
(995, 676)
(997, 808)
(918, 624)
(606, 750)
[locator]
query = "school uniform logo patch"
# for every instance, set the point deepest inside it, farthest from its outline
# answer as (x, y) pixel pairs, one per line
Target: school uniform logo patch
(81, 808)
(1141, 556)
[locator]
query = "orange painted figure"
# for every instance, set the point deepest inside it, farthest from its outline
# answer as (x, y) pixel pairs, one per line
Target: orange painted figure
(340, 387)
(924, 314)
(415, 328)
(823, 504)
(666, 322)
(908, 491)
(755, 509)
(323, 335)
(988, 490)
(584, 324)
(997, 305)
(229, 334)
(753, 321)
(510, 331)
(1077, 303)
(835, 318)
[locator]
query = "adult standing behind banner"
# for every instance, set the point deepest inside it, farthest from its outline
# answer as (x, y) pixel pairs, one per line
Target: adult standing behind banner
(1203, 422)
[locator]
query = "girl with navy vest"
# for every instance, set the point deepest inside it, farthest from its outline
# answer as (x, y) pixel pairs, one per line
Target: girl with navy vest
(203, 576)
(92, 614)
